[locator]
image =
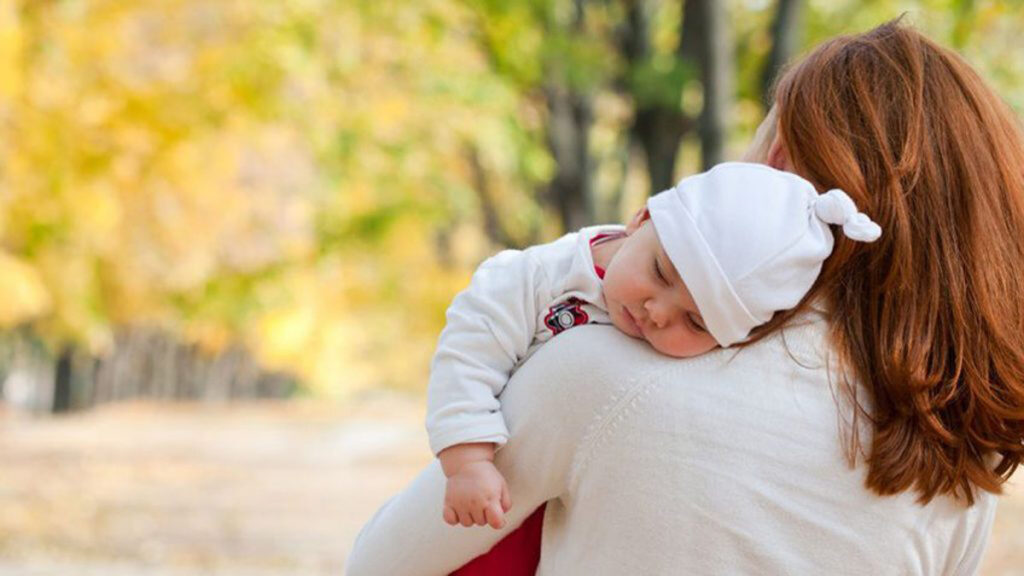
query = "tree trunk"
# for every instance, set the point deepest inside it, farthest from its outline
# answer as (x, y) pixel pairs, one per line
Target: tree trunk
(143, 364)
(705, 42)
(571, 116)
(660, 132)
(493, 226)
(568, 138)
(62, 381)
(714, 56)
(786, 30)
(657, 126)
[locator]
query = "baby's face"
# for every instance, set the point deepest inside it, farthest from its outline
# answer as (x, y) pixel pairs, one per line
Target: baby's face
(647, 299)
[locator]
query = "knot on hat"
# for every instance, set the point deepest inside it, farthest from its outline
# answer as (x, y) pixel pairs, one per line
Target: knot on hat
(836, 207)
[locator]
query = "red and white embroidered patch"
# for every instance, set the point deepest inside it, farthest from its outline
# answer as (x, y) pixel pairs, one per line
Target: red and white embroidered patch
(565, 315)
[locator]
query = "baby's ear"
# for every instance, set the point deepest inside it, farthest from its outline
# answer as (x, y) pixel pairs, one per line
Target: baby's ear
(637, 220)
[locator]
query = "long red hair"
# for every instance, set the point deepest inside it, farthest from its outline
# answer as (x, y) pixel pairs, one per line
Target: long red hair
(929, 320)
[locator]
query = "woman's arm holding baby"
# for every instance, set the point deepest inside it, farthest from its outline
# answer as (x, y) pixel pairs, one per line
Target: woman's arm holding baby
(551, 405)
(408, 536)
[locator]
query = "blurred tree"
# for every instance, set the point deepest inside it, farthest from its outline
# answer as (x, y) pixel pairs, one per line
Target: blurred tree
(555, 53)
(786, 27)
(715, 56)
(315, 179)
(570, 119)
(655, 81)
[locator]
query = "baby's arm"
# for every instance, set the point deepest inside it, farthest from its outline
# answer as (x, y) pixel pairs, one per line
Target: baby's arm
(490, 327)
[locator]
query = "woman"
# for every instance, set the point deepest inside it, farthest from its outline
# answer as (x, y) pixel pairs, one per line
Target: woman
(865, 432)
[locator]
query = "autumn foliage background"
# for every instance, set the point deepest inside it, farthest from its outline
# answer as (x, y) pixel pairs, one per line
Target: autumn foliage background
(221, 200)
(313, 180)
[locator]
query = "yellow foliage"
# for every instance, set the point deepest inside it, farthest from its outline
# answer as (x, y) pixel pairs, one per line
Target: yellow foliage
(210, 337)
(25, 294)
(294, 174)
(10, 52)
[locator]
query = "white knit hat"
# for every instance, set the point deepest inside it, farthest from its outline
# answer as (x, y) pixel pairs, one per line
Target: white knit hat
(749, 240)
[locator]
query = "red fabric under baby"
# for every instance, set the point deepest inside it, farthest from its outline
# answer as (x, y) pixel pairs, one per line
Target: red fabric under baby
(515, 555)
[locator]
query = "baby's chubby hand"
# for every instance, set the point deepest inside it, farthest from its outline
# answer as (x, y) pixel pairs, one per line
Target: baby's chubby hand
(476, 492)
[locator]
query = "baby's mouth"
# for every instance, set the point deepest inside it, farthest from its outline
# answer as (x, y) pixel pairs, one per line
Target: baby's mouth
(633, 324)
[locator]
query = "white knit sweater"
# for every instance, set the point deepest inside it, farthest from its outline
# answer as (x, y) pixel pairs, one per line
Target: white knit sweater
(729, 463)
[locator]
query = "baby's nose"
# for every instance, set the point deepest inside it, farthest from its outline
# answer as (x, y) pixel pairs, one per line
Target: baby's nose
(655, 313)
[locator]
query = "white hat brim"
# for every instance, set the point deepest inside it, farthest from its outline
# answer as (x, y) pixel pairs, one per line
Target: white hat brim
(724, 314)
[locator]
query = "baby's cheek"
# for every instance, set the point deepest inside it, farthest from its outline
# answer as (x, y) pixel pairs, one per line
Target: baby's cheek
(675, 345)
(611, 291)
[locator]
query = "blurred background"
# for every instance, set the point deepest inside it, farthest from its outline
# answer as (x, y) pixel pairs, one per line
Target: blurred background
(229, 230)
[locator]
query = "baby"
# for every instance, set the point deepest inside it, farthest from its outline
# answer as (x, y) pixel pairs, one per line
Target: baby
(700, 267)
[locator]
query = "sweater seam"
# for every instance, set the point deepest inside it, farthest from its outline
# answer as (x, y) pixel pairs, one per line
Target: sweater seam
(613, 413)
(610, 417)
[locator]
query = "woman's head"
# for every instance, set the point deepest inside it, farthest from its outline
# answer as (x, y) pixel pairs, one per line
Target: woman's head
(931, 317)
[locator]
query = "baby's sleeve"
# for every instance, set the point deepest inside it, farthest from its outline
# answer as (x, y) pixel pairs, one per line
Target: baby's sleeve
(490, 326)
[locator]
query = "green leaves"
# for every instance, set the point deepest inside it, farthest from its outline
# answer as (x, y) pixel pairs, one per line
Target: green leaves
(317, 178)
(661, 81)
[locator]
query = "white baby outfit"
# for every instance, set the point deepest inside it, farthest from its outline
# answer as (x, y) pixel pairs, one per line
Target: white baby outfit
(516, 301)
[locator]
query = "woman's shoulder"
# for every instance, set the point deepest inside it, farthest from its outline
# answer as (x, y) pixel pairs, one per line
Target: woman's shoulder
(735, 438)
(604, 357)
(587, 381)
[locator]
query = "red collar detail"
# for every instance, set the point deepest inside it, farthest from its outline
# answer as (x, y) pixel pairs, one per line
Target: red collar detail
(601, 239)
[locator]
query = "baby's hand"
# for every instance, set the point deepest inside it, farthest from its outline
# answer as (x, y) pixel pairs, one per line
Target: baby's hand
(476, 494)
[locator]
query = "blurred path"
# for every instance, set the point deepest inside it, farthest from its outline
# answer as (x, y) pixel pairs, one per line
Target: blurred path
(262, 490)
(274, 489)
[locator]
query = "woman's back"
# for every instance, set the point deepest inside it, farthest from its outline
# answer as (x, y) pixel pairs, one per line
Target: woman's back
(725, 464)
(730, 463)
